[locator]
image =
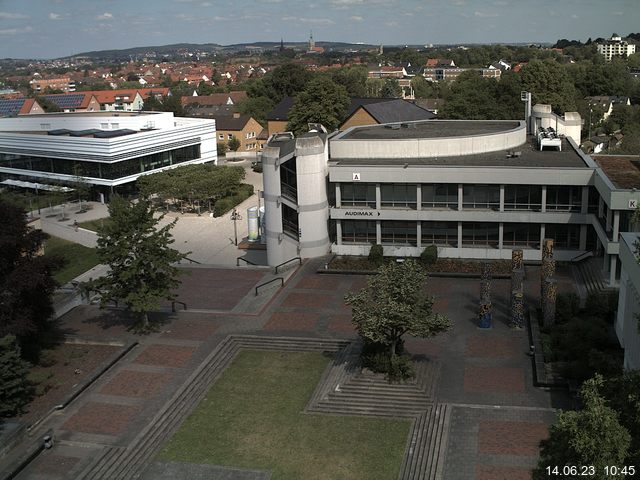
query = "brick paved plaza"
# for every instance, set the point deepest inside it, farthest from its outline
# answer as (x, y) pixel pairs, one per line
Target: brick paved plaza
(497, 416)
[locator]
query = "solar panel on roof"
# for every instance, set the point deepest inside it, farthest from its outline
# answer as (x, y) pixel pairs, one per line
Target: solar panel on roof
(11, 107)
(72, 100)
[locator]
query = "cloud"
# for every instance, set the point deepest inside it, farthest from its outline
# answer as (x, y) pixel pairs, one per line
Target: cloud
(485, 14)
(12, 16)
(393, 23)
(574, 16)
(55, 16)
(617, 13)
(312, 21)
(356, 18)
(105, 16)
(15, 31)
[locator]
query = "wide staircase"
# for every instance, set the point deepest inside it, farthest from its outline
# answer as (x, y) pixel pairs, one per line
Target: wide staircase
(590, 272)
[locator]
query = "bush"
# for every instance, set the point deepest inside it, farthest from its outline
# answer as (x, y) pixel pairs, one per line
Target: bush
(222, 149)
(375, 356)
(376, 255)
(15, 390)
(602, 304)
(47, 358)
(429, 256)
(567, 307)
(225, 204)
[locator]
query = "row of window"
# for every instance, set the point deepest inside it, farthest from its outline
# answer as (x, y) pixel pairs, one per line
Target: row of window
(516, 197)
(108, 171)
(445, 234)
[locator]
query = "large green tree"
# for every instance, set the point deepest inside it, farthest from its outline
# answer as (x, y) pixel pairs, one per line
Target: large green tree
(323, 101)
(26, 281)
(142, 264)
(549, 83)
(592, 436)
(15, 390)
(394, 303)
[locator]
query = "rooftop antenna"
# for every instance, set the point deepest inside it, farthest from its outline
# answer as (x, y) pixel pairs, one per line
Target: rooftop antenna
(526, 97)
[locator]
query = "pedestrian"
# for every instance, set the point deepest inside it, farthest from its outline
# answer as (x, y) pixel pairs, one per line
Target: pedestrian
(75, 225)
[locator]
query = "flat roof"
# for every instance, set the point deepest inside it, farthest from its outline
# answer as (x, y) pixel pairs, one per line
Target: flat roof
(529, 156)
(622, 170)
(430, 129)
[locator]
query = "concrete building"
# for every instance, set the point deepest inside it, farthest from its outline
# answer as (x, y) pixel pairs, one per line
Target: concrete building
(109, 150)
(476, 189)
(615, 47)
(629, 301)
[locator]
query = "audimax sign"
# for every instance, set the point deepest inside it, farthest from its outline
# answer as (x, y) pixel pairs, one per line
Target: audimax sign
(360, 213)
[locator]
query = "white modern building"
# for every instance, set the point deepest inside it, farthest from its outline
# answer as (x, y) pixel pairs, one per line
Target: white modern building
(476, 189)
(628, 320)
(109, 150)
(615, 47)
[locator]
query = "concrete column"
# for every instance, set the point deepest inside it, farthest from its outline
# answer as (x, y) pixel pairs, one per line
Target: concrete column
(338, 195)
(339, 232)
(544, 199)
(584, 206)
(605, 262)
(583, 237)
(378, 198)
(419, 197)
(378, 232)
(460, 196)
(600, 207)
(501, 206)
(608, 219)
(459, 238)
(542, 236)
(612, 270)
(616, 225)
(500, 233)
(419, 234)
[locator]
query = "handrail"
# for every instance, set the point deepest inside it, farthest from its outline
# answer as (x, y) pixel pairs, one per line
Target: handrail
(173, 305)
(270, 281)
(582, 256)
(192, 260)
(288, 261)
(244, 260)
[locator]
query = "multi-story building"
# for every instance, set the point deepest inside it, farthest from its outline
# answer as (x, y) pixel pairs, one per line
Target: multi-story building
(64, 84)
(243, 127)
(615, 47)
(108, 150)
(476, 189)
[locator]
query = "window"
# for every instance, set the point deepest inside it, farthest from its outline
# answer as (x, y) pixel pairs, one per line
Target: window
(221, 136)
(358, 195)
(564, 236)
(523, 197)
(289, 180)
(521, 235)
(480, 234)
(290, 221)
(45, 126)
(440, 195)
(398, 195)
(358, 231)
(229, 136)
(481, 196)
(443, 234)
(564, 198)
(398, 233)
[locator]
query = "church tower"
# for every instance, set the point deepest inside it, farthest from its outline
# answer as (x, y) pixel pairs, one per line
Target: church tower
(312, 43)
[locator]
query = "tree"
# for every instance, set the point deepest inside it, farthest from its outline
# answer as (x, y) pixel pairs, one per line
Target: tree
(80, 185)
(258, 108)
(591, 436)
(623, 394)
(323, 101)
(142, 269)
(15, 390)
(549, 84)
(393, 304)
(391, 89)
(26, 281)
(234, 144)
(353, 79)
(288, 80)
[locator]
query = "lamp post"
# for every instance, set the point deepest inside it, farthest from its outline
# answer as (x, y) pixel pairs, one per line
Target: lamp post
(235, 216)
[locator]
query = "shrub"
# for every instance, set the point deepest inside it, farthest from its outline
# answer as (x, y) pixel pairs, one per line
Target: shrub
(376, 255)
(602, 304)
(429, 256)
(567, 307)
(225, 204)
(375, 356)
(47, 358)
(15, 390)
(222, 149)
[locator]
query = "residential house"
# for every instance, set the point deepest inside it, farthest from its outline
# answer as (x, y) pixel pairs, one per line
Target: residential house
(119, 100)
(19, 106)
(615, 47)
(75, 102)
(216, 99)
(243, 127)
(606, 103)
(40, 84)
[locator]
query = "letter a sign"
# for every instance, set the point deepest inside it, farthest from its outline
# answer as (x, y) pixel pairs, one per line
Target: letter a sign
(356, 177)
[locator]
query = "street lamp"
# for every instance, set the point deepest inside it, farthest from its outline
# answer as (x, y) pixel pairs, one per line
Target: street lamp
(235, 216)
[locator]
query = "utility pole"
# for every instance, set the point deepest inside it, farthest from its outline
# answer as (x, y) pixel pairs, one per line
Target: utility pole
(235, 216)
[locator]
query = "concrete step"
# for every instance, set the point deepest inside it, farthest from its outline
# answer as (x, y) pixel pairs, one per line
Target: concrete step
(364, 411)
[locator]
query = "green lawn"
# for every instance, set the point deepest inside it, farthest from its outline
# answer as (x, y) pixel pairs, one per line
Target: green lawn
(78, 258)
(94, 224)
(252, 418)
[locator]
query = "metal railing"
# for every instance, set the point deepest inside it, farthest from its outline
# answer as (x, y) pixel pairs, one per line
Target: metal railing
(288, 261)
(270, 281)
(192, 260)
(244, 260)
(582, 256)
(173, 305)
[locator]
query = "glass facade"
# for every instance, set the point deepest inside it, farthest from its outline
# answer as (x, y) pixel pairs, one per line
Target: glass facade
(481, 196)
(289, 180)
(398, 195)
(109, 171)
(358, 231)
(565, 236)
(523, 197)
(444, 234)
(564, 198)
(440, 195)
(290, 221)
(358, 195)
(395, 232)
(525, 235)
(481, 234)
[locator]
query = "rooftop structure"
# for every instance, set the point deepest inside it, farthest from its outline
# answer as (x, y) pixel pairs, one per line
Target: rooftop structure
(616, 47)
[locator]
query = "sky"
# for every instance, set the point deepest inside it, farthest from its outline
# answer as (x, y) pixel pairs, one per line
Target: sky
(56, 28)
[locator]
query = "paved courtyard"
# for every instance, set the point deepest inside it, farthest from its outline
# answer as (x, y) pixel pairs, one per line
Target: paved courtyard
(497, 417)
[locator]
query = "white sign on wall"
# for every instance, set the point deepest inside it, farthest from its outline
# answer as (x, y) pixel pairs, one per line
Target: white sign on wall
(633, 204)
(356, 177)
